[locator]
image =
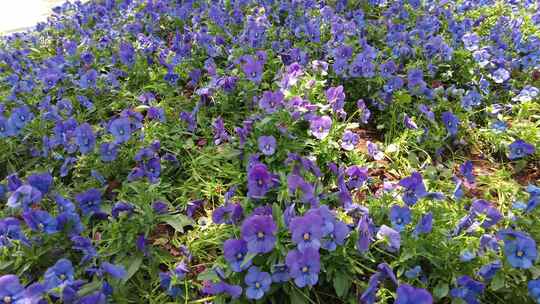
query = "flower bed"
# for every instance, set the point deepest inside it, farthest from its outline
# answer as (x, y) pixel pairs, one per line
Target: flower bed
(281, 151)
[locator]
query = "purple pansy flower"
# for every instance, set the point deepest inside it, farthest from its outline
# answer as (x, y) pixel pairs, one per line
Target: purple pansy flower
(365, 234)
(400, 217)
(24, 197)
(85, 138)
(60, 274)
(260, 180)
(320, 126)
(391, 236)
(468, 290)
(414, 188)
(89, 201)
(425, 224)
(41, 181)
(235, 252)
(349, 140)
(373, 151)
(41, 221)
(253, 69)
(519, 248)
(270, 102)
(258, 283)
(259, 231)
(267, 145)
(304, 266)
(120, 128)
(500, 75)
(407, 294)
(108, 151)
(280, 273)
(519, 149)
(306, 231)
(451, 122)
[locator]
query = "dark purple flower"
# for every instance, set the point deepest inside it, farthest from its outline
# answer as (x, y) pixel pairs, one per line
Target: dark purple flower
(122, 207)
(425, 224)
(267, 145)
(84, 245)
(280, 273)
(471, 99)
(221, 287)
(231, 213)
(492, 215)
(320, 126)
(270, 102)
(152, 169)
(235, 252)
(120, 128)
(468, 290)
(220, 134)
(400, 217)
(357, 176)
(10, 230)
(304, 266)
(407, 294)
(414, 188)
(388, 69)
(108, 151)
(534, 285)
(488, 271)
(160, 207)
(60, 274)
(253, 69)
(451, 122)
(296, 182)
(519, 149)
(427, 112)
(115, 271)
(41, 181)
(258, 283)
(466, 169)
(337, 236)
(89, 201)
(12, 292)
(260, 180)
(365, 234)
(127, 54)
(41, 221)
(259, 231)
(349, 140)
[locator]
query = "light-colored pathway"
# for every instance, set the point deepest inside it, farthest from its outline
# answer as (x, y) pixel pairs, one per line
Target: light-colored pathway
(16, 15)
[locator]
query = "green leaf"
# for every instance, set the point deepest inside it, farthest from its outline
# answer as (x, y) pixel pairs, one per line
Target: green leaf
(247, 258)
(178, 222)
(89, 288)
(535, 271)
(297, 297)
(208, 275)
(134, 265)
(498, 281)
(441, 290)
(342, 284)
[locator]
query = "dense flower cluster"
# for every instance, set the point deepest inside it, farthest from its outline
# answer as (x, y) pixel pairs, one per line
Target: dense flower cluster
(346, 151)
